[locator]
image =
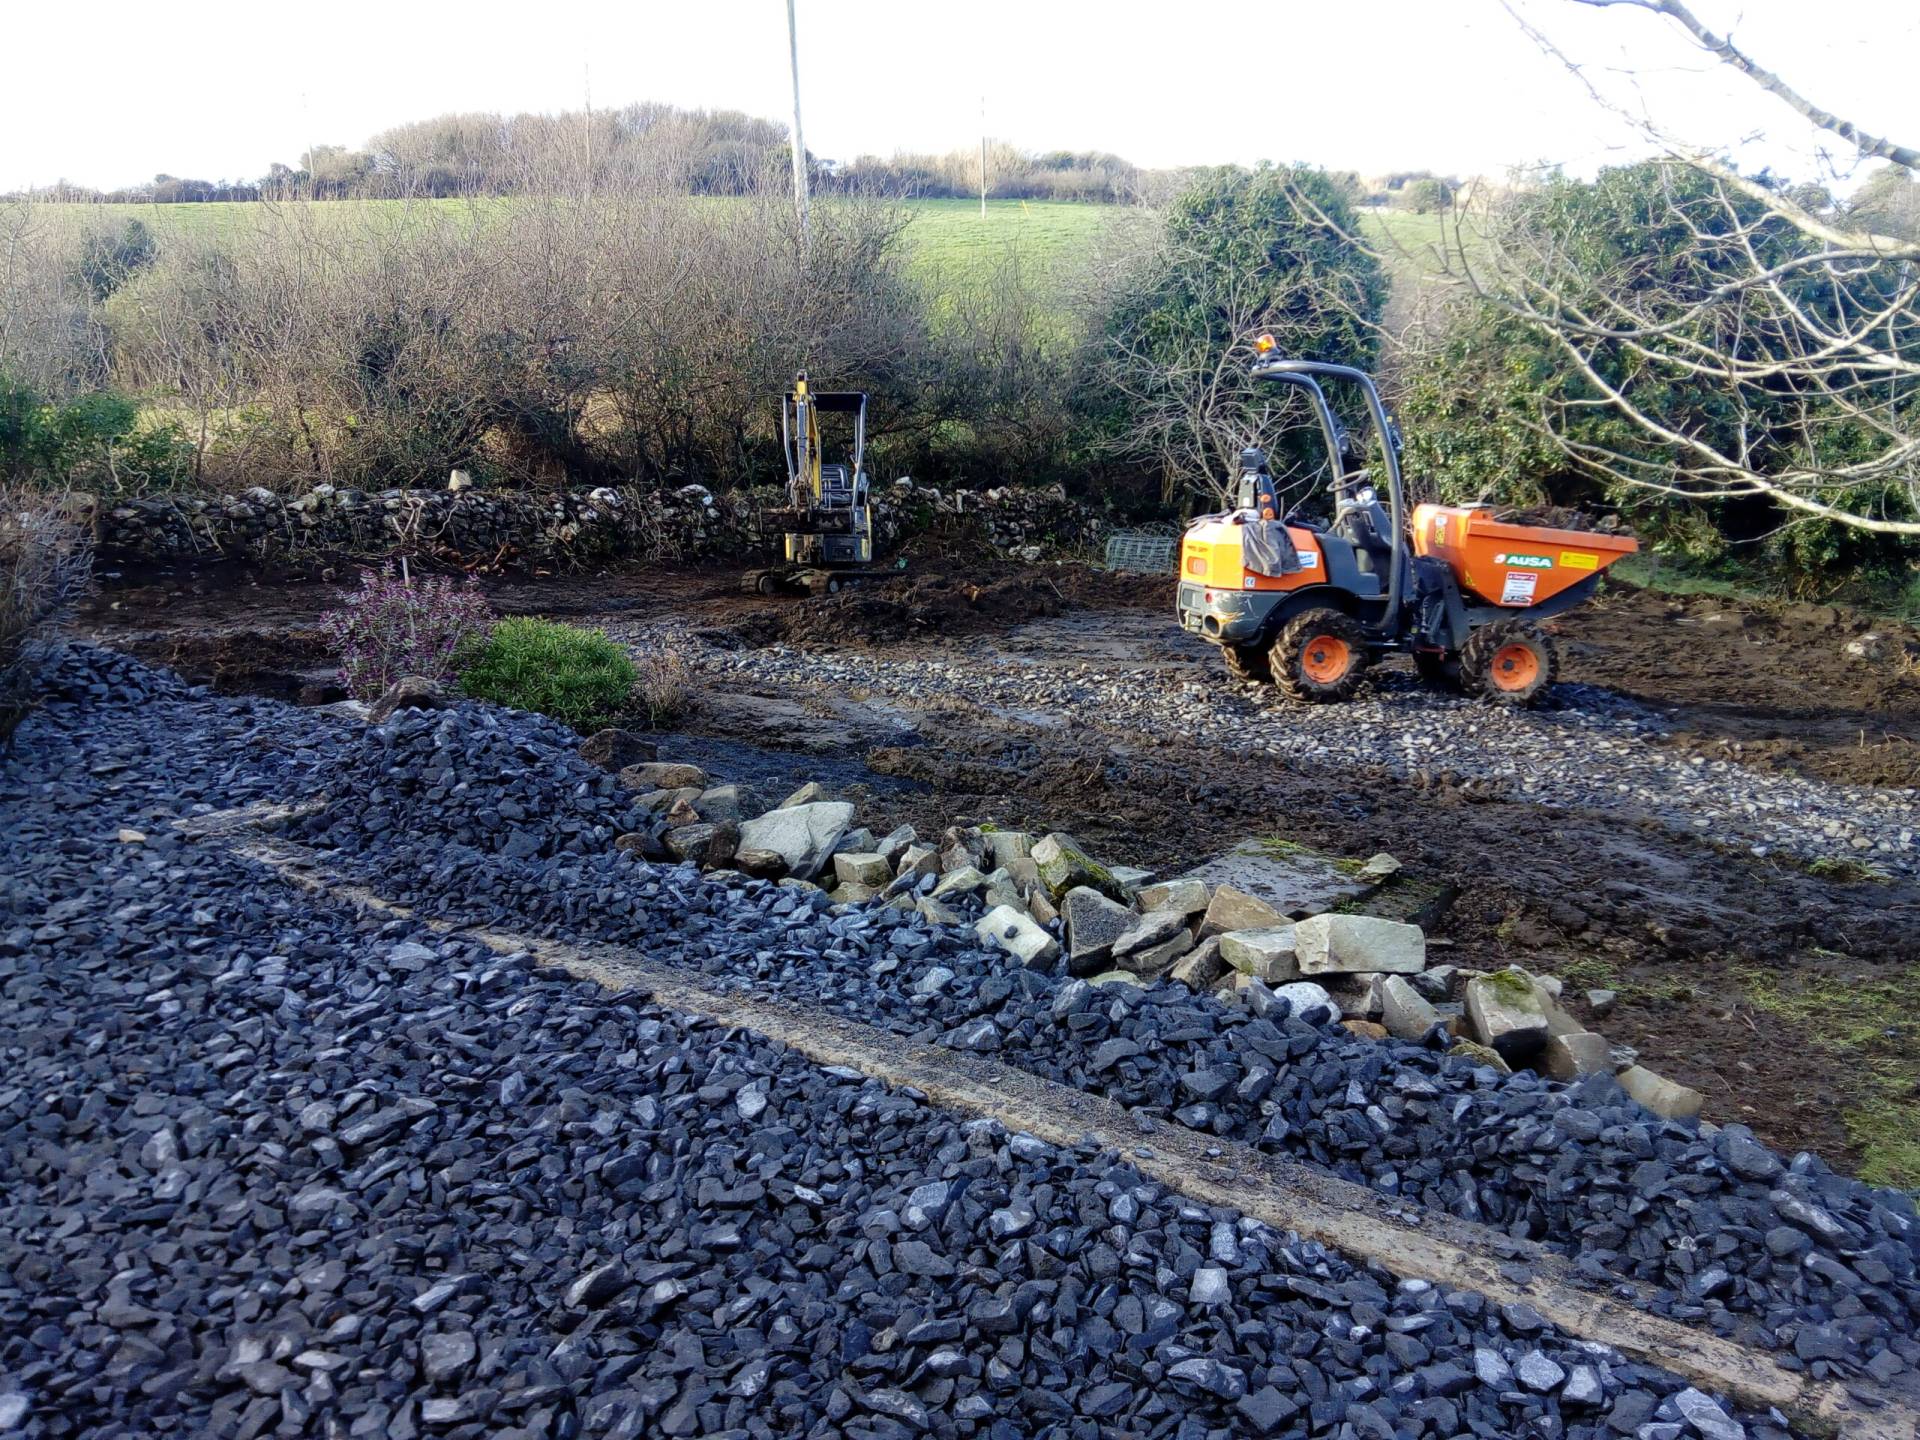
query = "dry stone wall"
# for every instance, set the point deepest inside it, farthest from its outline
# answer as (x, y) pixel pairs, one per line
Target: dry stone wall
(561, 529)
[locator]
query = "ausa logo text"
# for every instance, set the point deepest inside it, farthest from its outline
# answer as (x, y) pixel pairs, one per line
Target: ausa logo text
(1525, 562)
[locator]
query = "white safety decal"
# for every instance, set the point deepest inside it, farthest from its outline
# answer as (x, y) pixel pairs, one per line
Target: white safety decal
(1519, 587)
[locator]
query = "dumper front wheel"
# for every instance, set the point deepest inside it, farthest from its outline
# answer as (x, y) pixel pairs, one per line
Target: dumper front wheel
(1321, 656)
(1509, 662)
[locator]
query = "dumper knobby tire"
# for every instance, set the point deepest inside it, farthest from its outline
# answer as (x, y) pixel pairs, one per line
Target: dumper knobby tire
(1320, 657)
(1510, 662)
(1247, 662)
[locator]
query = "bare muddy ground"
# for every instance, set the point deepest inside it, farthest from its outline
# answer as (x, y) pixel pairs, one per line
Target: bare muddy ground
(1780, 986)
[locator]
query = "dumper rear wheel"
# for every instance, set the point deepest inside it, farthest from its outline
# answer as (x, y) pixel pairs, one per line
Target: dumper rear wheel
(1510, 662)
(1321, 656)
(1247, 662)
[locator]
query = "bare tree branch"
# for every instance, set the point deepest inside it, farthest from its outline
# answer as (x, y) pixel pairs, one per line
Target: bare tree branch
(1724, 50)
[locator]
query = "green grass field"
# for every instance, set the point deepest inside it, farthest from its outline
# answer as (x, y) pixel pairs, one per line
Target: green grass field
(951, 239)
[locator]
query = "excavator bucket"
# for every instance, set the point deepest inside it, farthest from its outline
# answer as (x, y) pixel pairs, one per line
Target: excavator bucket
(1512, 565)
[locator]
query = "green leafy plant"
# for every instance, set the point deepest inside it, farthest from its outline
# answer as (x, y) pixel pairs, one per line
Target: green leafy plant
(96, 441)
(1242, 253)
(579, 677)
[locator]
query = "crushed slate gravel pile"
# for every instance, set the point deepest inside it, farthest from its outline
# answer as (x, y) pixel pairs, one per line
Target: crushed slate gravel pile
(473, 775)
(1725, 1228)
(1825, 1264)
(274, 1167)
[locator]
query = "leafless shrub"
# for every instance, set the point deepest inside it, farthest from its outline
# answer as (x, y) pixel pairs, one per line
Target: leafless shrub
(45, 566)
(636, 334)
(1799, 319)
(49, 340)
(663, 683)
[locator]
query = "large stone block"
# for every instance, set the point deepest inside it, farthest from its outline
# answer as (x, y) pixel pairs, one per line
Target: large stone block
(1508, 1014)
(409, 692)
(1359, 944)
(963, 881)
(761, 864)
(1000, 890)
(1014, 931)
(1292, 879)
(1200, 966)
(1568, 1057)
(962, 849)
(918, 861)
(1267, 954)
(1185, 897)
(1232, 909)
(1147, 931)
(1406, 1013)
(1093, 923)
(721, 802)
(1308, 1000)
(802, 835)
(868, 869)
(1480, 1055)
(663, 775)
(709, 846)
(1155, 958)
(1064, 865)
(895, 845)
(1660, 1095)
(1006, 846)
(616, 749)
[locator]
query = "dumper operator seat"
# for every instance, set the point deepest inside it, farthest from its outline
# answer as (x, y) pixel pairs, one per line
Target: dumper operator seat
(1362, 520)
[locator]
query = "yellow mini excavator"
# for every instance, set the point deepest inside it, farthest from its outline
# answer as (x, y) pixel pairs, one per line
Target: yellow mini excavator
(828, 541)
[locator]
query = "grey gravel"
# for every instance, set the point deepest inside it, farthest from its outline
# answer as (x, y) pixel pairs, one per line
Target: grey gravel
(1590, 748)
(568, 1176)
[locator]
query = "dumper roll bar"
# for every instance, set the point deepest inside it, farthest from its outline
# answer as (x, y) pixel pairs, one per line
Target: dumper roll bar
(1302, 373)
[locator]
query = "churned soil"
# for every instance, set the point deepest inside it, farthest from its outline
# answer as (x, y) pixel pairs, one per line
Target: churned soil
(1768, 685)
(1678, 923)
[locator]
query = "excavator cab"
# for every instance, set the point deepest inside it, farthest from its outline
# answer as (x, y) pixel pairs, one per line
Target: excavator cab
(827, 527)
(831, 522)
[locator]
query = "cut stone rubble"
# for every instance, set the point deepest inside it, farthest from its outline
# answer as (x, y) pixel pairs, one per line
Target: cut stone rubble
(1267, 954)
(1507, 1014)
(1359, 945)
(803, 835)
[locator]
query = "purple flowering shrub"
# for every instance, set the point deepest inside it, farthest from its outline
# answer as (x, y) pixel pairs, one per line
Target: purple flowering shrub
(397, 625)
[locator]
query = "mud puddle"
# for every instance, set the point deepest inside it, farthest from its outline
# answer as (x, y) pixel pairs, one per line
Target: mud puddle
(775, 774)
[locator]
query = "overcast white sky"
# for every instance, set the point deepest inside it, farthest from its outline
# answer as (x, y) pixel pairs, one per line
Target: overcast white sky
(115, 91)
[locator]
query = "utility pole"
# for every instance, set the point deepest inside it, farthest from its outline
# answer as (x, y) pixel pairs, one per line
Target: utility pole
(587, 81)
(983, 157)
(799, 145)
